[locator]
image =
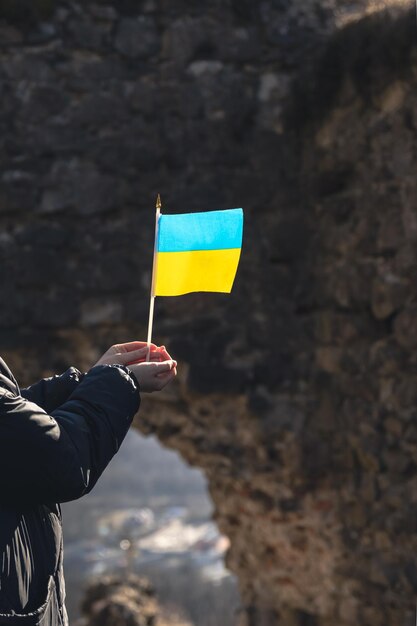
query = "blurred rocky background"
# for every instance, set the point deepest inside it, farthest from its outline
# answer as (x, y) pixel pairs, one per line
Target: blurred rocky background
(121, 601)
(297, 393)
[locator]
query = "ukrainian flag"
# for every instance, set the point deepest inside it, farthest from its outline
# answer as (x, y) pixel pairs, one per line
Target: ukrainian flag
(198, 252)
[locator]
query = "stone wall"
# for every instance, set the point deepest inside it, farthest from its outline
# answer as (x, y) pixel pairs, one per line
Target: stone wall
(297, 393)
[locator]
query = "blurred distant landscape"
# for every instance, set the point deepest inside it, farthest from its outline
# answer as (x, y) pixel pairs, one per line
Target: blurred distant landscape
(150, 514)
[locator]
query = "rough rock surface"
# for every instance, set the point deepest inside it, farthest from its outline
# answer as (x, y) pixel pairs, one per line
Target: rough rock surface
(123, 601)
(297, 394)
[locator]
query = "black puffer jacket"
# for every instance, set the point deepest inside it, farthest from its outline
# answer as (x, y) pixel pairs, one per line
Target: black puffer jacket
(56, 438)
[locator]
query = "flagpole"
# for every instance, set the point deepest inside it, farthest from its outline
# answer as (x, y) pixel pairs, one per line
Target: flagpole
(154, 267)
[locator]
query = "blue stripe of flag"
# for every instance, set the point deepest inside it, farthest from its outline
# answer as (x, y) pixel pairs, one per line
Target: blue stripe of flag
(211, 230)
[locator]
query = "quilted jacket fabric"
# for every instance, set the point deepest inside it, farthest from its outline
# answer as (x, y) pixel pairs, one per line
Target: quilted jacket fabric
(56, 438)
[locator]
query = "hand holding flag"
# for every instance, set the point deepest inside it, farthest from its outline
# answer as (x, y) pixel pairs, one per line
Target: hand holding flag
(151, 376)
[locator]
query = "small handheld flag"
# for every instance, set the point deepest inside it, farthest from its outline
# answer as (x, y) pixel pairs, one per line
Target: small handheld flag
(195, 252)
(198, 252)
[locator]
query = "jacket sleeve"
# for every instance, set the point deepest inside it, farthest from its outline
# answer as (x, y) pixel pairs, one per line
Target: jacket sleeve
(59, 457)
(50, 393)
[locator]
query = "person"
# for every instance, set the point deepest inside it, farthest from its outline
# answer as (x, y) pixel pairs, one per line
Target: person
(56, 438)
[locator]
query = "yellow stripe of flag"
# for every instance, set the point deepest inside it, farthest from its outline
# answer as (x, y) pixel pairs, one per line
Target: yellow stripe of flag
(198, 270)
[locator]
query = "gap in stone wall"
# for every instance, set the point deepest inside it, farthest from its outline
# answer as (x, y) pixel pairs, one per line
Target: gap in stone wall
(151, 514)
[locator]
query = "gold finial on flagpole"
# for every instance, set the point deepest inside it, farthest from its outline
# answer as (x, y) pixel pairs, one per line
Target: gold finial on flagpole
(158, 202)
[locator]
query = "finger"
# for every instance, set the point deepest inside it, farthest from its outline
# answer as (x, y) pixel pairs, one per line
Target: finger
(127, 347)
(161, 367)
(131, 346)
(165, 354)
(168, 372)
(139, 344)
(124, 358)
(164, 379)
(153, 368)
(164, 375)
(154, 357)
